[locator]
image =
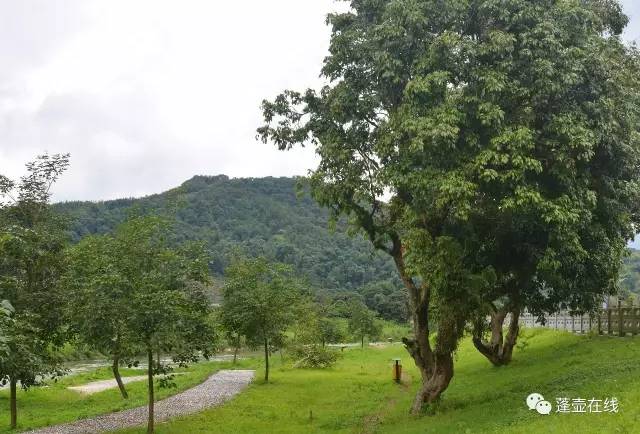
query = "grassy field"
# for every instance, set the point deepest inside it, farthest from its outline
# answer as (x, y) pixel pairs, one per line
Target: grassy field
(357, 395)
(41, 406)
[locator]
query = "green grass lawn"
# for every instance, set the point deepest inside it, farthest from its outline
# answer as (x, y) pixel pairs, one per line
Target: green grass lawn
(53, 404)
(357, 395)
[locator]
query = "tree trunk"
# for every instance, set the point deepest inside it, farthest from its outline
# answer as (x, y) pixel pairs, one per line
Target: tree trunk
(150, 381)
(235, 352)
(436, 368)
(266, 360)
(13, 386)
(436, 383)
(116, 374)
(498, 350)
(362, 341)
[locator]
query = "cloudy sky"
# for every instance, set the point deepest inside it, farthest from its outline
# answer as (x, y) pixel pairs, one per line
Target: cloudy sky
(145, 94)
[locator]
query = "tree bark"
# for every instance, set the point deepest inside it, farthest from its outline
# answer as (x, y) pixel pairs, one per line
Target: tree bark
(436, 369)
(266, 360)
(150, 421)
(13, 386)
(116, 374)
(499, 351)
(434, 384)
(362, 341)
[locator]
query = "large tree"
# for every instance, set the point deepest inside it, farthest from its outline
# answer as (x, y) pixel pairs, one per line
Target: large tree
(502, 136)
(32, 241)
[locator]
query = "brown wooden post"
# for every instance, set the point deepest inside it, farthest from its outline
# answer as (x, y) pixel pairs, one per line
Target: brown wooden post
(621, 330)
(609, 325)
(13, 386)
(600, 322)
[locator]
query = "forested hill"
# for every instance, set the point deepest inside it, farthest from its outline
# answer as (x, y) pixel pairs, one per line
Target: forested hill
(263, 216)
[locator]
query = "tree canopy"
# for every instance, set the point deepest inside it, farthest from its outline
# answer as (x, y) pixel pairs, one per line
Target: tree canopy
(363, 322)
(260, 300)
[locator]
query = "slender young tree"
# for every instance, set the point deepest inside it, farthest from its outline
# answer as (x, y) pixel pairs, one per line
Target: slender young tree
(363, 322)
(232, 330)
(260, 299)
(133, 292)
(170, 308)
(99, 310)
(32, 241)
(478, 121)
(313, 325)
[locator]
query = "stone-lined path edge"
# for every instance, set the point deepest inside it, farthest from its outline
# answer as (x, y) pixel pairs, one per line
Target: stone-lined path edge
(215, 390)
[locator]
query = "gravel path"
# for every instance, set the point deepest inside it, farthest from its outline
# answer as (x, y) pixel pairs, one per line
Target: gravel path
(99, 386)
(217, 389)
(102, 385)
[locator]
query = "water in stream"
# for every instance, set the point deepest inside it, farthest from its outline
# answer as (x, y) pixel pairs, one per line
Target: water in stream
(79, 366)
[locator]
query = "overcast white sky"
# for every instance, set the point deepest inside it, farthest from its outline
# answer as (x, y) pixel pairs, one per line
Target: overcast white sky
(145, 94)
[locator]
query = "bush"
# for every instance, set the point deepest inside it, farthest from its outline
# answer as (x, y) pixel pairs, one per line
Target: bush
(313, 356)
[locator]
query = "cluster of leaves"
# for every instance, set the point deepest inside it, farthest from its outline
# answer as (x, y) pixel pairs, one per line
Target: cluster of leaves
(6, 322)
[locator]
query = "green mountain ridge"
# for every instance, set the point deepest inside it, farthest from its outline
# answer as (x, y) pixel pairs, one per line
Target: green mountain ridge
(261, 216)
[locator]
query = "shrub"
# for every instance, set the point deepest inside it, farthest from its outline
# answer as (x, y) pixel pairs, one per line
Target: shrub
(313, 356)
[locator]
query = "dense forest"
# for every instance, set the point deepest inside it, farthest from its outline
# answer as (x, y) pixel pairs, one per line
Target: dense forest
(270, 217)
